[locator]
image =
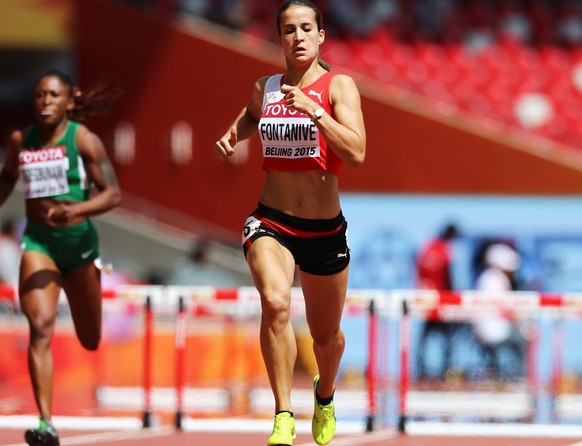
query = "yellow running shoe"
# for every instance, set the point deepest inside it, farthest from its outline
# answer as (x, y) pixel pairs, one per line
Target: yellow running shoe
(283, 430)
(323, 421)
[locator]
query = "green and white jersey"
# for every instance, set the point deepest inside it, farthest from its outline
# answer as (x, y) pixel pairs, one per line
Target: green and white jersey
(54, 171)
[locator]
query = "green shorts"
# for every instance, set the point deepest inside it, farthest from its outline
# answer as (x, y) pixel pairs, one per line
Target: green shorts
(69, 246)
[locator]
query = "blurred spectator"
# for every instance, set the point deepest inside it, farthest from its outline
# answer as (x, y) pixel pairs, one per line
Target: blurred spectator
(434, 261)
(436, 18)
(10, 252)
(168, 7)
(493, 330)
(235, 14)
(569, 27)
(434, 272)
(197, 269)
(501, 265)
(198, 8)
(479, 25)
(513, 22)
(478, 263)
(360, 18)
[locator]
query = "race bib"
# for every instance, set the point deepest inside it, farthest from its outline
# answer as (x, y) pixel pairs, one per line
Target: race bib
(44, 172)
(289, 138)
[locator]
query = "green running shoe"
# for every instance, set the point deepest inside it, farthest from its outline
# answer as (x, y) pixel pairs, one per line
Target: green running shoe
(323, 421)
(283, 430)
(44, 435)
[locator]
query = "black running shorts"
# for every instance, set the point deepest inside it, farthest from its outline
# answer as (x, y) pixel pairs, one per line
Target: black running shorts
(319, 247)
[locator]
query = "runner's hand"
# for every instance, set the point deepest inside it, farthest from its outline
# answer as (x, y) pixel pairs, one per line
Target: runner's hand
(224, 147)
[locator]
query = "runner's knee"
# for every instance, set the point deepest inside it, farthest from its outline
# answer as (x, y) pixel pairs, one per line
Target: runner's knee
(329, 340)
(276, 307)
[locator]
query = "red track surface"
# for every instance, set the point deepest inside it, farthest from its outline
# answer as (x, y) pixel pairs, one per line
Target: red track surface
(166, 436)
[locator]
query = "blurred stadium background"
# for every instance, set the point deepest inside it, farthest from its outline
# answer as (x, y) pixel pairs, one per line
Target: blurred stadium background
(473, 112)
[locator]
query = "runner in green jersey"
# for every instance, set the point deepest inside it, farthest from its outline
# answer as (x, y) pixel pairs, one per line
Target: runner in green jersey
(60, 163)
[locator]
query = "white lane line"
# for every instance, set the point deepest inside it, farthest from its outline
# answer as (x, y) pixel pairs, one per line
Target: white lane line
(419, 428)
(96, 438)
(73, 423)
(359, 438)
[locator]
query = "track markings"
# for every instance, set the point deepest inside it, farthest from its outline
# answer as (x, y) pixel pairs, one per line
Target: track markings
(359, 439)
(99, 437)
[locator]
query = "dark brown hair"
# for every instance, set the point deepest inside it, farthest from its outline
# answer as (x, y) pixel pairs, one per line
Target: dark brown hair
(90, 103)
(318, 19)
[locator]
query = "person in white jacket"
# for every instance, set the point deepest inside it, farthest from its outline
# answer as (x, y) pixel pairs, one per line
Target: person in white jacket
(493, 330)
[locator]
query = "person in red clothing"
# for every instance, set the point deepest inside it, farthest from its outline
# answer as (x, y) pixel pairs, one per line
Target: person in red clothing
(434, 261)
(310, 122)
(434, 272)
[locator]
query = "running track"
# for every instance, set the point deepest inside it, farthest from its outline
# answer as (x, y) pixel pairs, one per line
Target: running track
(163, 436)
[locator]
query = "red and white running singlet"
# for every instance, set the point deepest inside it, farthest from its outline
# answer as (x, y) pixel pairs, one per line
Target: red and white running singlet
(291, 141)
